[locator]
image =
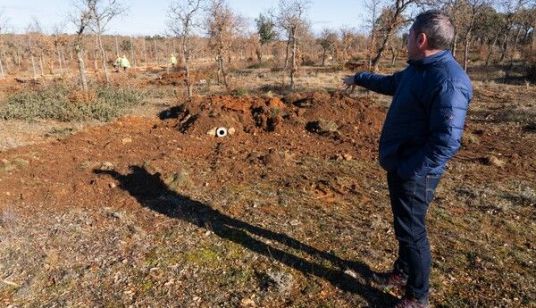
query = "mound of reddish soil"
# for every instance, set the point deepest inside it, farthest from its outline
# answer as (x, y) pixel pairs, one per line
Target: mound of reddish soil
(243, 114)
(351, 116)
(178, 78)
(331, 115)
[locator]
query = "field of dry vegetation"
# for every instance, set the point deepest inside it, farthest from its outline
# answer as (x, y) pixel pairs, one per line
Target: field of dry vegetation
(116, 192)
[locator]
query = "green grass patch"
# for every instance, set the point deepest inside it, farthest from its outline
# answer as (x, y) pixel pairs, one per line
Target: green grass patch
(203, 257)
(64, 103)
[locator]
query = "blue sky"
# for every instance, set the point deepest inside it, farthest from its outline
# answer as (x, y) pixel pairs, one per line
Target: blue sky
(147, 17)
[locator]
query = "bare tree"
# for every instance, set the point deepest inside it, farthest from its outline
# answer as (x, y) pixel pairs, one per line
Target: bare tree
(101, 13)
(291, 18)
(133, 57)
(488, 29)
(328, 41)
(348, 41)
(222, 25)
(475, 8)
(59, 41)
(457, 11)
(393, 19)
(183, 21)
(511, 10)
(382, 26)
(81, 19)
(33, 31)
(373, 7)
(464, 15)
(527, 23)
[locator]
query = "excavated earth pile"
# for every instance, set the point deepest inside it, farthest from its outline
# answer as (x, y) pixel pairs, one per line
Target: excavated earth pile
(177, 77)
(332, 115)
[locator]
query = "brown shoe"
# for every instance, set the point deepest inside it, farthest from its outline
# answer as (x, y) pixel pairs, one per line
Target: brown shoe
(410, 302)
(391, 280)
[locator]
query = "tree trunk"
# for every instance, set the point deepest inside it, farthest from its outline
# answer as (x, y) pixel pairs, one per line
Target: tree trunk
(95, 64)
(454, 44)
(2, 75)
(514, 47)
(145, 51)
(17, 58)
(185, 55)
(258, 52)
(132, 52)
(394, 55)
(6, 61)
(156, 54)
(491, 48)
(59, 61)
(324, 53)
(371, 46)
(293, 67)
(287, 52)
(221, 59)
(41, 65)
(533, 45)
(34, 69)
(376, 60)
(81, 67)
(516, 41)
(116, 47)
(504, 45)
(103, 56)
(51, 66)
(466, 50)
(65, 63)
(218, 73)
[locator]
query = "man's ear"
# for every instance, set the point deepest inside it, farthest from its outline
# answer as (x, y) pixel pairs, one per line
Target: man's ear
(422, 40)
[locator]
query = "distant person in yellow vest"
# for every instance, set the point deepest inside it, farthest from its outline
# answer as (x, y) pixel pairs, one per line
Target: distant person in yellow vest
(117, 63)
(173, 61)
(125, 64)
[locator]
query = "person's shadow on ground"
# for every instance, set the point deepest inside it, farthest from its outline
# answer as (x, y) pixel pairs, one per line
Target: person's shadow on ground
(153, 193)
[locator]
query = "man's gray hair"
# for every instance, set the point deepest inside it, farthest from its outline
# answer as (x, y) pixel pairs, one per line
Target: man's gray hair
(437, 27)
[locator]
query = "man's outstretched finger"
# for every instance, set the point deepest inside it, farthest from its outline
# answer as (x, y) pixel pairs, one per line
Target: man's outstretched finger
(348, 80)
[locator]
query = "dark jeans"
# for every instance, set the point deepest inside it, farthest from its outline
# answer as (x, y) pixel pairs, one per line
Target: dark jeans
(409, 202)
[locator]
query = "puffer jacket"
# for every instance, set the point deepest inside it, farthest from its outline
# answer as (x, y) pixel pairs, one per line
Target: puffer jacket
(425, 121)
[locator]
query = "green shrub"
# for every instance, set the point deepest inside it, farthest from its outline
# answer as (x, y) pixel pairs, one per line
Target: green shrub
(63, 103)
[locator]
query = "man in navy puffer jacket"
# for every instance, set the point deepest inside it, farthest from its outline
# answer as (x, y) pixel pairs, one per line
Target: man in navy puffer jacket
(422, 131)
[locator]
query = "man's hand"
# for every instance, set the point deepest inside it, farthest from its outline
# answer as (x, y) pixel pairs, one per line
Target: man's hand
(349, 82)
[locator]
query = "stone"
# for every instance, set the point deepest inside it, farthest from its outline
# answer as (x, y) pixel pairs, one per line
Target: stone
(107, 166)
(322, 127)
(212, 132)
(494, 161)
